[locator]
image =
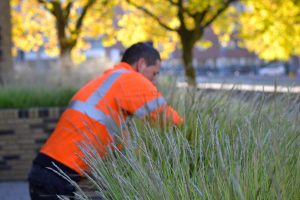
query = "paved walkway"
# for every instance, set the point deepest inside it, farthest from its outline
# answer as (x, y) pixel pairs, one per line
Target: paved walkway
(14, 190)
(281, 84)
(252, 80)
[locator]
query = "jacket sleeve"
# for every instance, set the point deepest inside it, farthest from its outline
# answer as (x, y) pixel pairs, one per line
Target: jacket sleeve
(142, 99)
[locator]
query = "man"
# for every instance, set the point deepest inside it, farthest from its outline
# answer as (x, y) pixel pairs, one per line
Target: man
(95, 114)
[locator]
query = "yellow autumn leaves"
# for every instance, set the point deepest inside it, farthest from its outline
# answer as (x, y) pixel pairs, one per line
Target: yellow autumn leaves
(270, 28)
(34, 27)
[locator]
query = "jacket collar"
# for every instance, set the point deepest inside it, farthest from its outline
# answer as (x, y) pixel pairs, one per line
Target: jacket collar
(124, 65)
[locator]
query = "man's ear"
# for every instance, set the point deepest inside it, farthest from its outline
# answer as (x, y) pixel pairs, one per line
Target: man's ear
(140, 64)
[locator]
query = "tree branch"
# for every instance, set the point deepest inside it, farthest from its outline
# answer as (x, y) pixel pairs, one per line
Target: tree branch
(83, 13)
(68, 9)
(180, 16)
(148, 12)
(198, 17)
(184, 10)
(46, 6)
(220, 11)
(173, 2)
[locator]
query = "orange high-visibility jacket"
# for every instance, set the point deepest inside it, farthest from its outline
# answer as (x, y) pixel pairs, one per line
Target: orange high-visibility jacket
(98, 108)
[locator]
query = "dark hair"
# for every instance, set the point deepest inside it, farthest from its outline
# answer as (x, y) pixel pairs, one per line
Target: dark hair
(141, 50)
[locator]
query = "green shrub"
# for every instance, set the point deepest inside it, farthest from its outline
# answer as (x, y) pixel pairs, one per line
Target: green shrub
(34, 96)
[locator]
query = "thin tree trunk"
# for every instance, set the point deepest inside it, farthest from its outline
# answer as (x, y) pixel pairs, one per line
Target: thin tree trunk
(66, 62)
(5, 42)
(65, 65)
(187, 56)
(293, 66)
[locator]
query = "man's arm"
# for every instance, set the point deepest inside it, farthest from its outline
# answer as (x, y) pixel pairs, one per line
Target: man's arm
(142, 99)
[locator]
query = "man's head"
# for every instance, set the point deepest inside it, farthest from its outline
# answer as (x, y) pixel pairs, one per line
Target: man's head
(144, 59)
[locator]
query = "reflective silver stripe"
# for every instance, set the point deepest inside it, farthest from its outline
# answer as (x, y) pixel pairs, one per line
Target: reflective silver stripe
(95, 114)
(105, 86)
(150, 106)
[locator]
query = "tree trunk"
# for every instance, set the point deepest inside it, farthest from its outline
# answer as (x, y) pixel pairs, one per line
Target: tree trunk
(66, 62)
(293, 66)
(65, 44)
(187, 56)
(5, 42)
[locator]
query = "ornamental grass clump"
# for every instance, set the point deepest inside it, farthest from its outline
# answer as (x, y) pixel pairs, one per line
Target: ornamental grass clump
(231, 146)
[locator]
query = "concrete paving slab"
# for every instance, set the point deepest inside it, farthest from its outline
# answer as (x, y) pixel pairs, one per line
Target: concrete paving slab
(14, 190)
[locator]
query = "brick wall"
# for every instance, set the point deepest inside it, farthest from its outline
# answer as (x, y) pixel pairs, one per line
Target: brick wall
(22, 132)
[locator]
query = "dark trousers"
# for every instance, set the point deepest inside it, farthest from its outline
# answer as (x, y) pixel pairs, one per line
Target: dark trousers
(45, 184)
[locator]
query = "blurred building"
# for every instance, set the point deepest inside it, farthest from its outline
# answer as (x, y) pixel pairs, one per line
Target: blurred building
(221, 55)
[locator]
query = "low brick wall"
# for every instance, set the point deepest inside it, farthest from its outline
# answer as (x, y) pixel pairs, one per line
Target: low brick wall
(22, 132)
